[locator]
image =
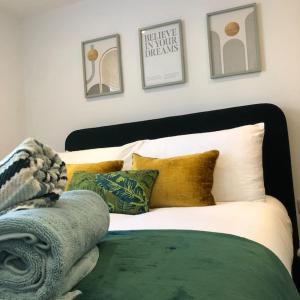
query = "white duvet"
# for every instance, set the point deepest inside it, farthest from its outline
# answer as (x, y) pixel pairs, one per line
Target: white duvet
(264, 222)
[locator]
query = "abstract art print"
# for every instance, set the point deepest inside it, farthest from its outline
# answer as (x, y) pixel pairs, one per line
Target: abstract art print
(102, 70)
(233, 41)
(161, 50)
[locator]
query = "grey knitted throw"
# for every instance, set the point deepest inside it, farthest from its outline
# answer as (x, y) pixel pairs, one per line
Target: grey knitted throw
(45, 252)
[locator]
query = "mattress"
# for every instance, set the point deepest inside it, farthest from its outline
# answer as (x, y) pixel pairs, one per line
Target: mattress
(266, 223)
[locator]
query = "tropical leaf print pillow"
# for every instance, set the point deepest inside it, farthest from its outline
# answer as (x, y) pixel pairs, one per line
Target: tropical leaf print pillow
(125, 192)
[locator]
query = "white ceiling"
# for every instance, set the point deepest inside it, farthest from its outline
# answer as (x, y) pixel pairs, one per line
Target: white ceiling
(27, 8)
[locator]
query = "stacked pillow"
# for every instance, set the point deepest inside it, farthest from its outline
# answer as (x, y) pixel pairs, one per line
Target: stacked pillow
(238, 175)
(182, 170)
(99, 170)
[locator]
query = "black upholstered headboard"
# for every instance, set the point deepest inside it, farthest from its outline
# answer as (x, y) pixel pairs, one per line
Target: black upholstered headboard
(276, 151)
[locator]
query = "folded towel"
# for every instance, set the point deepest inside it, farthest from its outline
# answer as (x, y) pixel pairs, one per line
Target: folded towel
(44, 252)
(31, 171)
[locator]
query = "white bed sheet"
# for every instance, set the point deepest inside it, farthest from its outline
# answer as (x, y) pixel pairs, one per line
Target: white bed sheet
(264, 222)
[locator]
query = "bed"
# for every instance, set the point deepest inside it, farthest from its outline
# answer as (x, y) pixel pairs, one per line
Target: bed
(142, 229)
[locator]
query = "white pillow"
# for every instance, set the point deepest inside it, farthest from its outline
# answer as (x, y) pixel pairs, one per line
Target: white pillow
(238, 173)
(103, 154)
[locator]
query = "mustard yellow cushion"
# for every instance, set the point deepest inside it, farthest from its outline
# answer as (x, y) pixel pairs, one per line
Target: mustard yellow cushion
(182, 181)
(101, 167)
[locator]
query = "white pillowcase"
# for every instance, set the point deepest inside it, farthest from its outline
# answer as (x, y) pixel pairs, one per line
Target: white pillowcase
(238, 173)
(103, 154)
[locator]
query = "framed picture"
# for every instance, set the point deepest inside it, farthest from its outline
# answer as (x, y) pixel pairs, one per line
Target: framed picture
(161, 51)
(102, 71)
(233, 41)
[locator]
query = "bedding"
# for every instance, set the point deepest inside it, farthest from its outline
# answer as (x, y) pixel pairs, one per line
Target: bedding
(183, 180)
(185, 265)
(240, 159)
(232, 250)
(268, 228)
(44, 252)
(265, 222)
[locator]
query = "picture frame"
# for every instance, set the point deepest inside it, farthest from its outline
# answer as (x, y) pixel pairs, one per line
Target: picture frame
(102, 66)
(162, 54)
(233, 41)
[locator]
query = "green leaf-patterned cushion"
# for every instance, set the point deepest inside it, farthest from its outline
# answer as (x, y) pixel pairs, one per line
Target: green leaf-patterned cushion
(125, 192)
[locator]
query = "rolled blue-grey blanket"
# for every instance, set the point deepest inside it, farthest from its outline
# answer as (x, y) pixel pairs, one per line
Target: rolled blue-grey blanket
(44, 252)
(31, 175)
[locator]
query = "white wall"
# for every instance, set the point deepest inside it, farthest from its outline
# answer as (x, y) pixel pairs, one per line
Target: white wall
(11, 92)
(55, 104)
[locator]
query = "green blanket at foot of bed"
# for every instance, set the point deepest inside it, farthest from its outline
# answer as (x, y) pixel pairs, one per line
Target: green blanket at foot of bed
(185, 265)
